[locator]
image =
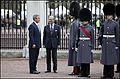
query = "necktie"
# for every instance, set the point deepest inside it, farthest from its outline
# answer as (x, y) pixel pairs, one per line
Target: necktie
(39, 28)
(51, 27)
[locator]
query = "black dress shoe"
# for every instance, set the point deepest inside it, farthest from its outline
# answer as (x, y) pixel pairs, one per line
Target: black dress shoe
(55, 71)
(103, 77)
(47, 71)
(84, 76)
(113, 78)
(34, 72)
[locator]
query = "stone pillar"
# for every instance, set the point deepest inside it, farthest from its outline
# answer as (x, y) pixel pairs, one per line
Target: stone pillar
(36, 7)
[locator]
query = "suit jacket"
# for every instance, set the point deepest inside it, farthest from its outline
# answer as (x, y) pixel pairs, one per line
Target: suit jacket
(51, 40)
(34, 36)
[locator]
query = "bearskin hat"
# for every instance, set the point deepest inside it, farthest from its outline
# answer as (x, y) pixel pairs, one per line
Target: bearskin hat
(118, 10)
(85, 14)
(109, 9)
(74, 9)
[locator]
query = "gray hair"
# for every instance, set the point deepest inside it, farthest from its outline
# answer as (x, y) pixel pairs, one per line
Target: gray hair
(34, 16)
(51, 17)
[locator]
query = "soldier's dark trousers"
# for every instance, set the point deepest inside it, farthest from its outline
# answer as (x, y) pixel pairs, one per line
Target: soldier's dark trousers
(108, 71)
(54, 58)
(85, 69)
(33, 56)
(118, 67)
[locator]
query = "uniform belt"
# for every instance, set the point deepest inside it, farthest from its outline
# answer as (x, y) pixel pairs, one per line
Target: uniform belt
(109, 36)
(84, 38)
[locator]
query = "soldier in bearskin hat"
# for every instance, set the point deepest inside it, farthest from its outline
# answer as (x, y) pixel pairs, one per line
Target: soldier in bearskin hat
(74, 12)
(118, 20)
(85, 42)
(109, 41)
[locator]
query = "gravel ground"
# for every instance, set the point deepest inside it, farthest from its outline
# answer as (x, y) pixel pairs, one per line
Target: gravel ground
(19, 68)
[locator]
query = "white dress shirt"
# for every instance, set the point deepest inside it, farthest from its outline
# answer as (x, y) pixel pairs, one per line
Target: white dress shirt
(37, 25)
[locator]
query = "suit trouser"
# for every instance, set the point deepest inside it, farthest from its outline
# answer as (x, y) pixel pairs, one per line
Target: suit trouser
(108, 71)
(118, 67)
(54, 58)
(85, 69)
(33, 56)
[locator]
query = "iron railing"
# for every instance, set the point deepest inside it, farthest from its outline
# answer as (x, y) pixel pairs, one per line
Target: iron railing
(13, 31)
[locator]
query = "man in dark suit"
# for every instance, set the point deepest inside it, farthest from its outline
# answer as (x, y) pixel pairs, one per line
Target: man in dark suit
(51, 40)
(34, 44)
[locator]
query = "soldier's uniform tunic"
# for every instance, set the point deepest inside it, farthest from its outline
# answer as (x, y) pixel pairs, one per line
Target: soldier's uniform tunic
(72, 55)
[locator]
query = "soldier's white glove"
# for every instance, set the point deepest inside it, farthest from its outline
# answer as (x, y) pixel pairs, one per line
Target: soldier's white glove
(99, 46)
(76, 49)
(116, 47)
(58, 46)
(73, 48)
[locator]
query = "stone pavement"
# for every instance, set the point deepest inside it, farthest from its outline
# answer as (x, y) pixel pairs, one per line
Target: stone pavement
(19, 68)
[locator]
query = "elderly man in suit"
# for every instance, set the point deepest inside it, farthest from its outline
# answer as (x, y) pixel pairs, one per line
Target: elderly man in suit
(51, 40)
(34, 44)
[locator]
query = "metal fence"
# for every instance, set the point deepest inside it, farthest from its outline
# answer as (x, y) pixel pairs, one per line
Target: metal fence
(60, 10)
(13, 24)
(13, 31)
